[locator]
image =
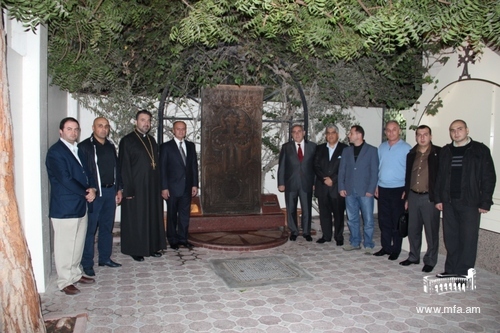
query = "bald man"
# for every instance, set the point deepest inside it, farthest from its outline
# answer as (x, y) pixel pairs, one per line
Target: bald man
(103, 163)
(464, 190)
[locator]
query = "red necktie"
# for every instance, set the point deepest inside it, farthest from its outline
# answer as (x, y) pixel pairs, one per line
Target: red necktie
(299, 153)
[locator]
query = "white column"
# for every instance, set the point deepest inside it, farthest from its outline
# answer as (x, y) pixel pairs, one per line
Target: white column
(26, 65)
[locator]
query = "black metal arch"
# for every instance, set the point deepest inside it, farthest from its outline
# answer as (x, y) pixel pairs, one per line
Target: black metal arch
(167, 90)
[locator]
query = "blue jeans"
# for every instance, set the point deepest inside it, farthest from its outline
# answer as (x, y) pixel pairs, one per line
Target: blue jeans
(355, 203)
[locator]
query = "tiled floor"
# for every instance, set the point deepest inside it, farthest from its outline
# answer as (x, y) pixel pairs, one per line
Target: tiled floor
(350, 292)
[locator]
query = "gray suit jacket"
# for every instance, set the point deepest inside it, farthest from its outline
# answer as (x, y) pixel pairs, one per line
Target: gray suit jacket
(295, 175)
(360, 176)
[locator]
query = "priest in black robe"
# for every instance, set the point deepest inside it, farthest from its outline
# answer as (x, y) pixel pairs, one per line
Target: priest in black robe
(142, 228)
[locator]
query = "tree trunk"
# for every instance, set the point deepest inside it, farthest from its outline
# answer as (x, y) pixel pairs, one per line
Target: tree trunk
(20, 309)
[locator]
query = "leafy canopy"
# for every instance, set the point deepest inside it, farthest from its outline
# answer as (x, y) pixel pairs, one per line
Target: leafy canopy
(358, 52)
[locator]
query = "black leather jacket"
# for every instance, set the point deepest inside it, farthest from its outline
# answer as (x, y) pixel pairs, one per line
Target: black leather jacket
(478, 176)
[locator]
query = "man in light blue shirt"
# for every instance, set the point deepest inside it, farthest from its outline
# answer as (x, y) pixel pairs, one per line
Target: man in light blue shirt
(390, 191)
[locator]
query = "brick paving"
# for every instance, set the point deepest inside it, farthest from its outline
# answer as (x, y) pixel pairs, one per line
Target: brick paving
(349, 292)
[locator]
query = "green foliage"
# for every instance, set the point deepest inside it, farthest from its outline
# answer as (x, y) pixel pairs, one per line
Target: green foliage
(315, 27)
(350, 52)
(34, 12)
(433, 107)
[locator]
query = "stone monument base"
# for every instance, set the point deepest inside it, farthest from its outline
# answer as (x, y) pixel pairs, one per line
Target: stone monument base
(271, 217)
(239, 232)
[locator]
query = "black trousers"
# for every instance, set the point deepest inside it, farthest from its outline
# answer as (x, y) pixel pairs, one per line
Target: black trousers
(178, 212)
(329, 207)
(461, 232)
(390, 208)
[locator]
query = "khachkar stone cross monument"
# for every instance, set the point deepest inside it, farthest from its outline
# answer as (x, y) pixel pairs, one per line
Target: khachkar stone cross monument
(231, 166)
(231, 138)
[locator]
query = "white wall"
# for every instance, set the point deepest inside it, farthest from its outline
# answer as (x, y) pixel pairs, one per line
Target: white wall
(476, 101)
(26, 58)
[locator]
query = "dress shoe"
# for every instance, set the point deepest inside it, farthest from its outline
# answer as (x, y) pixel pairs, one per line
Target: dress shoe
(393, 256)
(427, 268)
(407, 262)
(89, 271)
(174, 246)
(70, 290)
(85, 280)
(340, 243)
(109, 263)
(156, 254)
(188, 245)
(322, 240)
(308, 238)
(443, 275)
(380, 253)
(138, 258)
(293, 237)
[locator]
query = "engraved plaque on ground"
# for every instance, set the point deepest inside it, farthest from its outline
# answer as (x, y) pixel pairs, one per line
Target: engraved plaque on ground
(231, 149)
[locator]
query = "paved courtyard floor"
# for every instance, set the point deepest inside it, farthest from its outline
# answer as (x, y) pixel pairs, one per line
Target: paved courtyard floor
(349, 292)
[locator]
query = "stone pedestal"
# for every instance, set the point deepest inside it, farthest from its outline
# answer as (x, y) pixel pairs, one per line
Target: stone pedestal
(270, 216)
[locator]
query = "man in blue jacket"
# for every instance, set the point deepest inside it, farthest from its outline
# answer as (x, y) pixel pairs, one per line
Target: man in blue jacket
(464, 190)
(72, 187)
(358, 176)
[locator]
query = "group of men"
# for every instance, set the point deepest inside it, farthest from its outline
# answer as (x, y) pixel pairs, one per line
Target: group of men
(89, 179)
(458, 179)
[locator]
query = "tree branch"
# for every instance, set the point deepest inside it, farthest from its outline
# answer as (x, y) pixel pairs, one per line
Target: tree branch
(364, 7)
(95, 9)
(80, 46)
(187, 4)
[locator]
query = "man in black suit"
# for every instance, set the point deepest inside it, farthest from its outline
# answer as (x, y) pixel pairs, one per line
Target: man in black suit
(326, 167)
(179, 181)
(296, 179)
